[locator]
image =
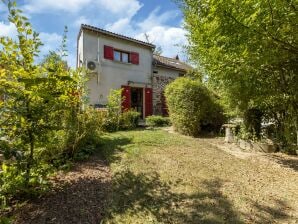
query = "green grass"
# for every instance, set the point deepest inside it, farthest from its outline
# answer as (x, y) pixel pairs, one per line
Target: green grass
(168, 178)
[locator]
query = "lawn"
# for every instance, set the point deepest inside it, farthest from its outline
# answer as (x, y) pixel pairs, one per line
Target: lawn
(152, 176)
(158, 177)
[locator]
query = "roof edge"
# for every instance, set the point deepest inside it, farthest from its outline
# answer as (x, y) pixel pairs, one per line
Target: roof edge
(172, 67)
(109, 33)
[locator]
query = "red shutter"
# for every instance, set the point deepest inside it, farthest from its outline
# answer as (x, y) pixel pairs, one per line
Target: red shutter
(126, 96)
(108, 52)
(148, 102)
(134, 58)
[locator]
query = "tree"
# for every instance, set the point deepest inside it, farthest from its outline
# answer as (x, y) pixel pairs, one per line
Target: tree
(37, 97)
(248, 49)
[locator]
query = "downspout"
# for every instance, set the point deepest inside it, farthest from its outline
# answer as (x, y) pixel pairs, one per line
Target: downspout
(152, 49)
(98, 60)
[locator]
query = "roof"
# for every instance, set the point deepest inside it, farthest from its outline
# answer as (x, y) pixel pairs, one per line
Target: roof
(119, 36)
(171, 63)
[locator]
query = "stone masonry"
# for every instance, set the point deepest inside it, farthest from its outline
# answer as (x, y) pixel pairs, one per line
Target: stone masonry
(158, 86)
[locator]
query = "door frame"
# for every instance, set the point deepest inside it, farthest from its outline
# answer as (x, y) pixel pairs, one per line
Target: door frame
(143, 100)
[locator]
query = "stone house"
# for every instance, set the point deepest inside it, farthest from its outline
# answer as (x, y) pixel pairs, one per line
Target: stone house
(116, 61)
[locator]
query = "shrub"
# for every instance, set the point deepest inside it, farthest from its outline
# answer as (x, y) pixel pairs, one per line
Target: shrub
(192, 107)
(129, 120)
(214, 117)
(115, 119)
(157, 121)
(112, 120)
(83, 129)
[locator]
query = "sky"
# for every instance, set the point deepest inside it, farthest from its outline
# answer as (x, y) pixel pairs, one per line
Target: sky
(160, 19)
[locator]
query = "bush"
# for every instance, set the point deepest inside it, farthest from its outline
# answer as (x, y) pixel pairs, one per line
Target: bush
(157, 121)
(214, 117)
(83, 129)
(192, 107)
(115, 119)
(129, 120)
(112, 119)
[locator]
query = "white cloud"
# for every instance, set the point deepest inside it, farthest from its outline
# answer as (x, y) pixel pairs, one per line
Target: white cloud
(40, 6)
(81, 20)
(155, 19)
(123, 7)
(122, 26)
(127, 8)
(51, 42)
(8, 30)
(170, 39)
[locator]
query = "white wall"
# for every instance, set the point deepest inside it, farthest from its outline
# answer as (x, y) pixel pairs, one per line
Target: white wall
(114, 74)
(80, 56)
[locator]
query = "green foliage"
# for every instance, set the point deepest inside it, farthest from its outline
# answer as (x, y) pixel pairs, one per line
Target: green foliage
(42, 124)
(157, 121)
(129, 120)
(191, 106)
(248, 51)
(112, 122)
(116, 119)
(253, 123)
(6, 220)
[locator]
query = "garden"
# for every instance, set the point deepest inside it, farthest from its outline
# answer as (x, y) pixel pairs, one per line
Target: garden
(63, 161)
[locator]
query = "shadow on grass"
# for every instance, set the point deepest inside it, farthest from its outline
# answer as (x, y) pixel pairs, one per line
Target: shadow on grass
(286, 162)
(111, 146)
(147, 194)
(78, 197)
(268, 214)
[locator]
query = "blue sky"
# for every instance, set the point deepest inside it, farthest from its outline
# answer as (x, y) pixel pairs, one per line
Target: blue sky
(160, 19)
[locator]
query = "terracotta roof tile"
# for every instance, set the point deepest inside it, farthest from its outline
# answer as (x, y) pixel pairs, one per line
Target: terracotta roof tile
(170, 63)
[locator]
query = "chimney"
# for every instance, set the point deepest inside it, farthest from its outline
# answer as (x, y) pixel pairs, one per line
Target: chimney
(177, 57)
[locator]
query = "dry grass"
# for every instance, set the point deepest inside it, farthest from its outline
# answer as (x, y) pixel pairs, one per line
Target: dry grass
(152, 176)
(159, 177)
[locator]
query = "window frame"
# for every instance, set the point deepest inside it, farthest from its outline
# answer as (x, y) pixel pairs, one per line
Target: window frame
(121, 56)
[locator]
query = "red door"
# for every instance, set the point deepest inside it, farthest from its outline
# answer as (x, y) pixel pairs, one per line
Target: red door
(148, 102)
(126, 98)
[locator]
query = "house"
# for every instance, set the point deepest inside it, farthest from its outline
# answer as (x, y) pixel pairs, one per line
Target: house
(116, 61)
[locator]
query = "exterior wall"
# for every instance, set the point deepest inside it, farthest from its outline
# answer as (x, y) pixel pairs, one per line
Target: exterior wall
(114, 74)
(80, 56)
(160, 79)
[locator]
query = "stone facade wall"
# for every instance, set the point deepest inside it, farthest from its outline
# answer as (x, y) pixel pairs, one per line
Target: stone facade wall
(158, 86)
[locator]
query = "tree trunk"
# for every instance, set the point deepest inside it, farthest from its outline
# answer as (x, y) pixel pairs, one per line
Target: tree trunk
(30, 159)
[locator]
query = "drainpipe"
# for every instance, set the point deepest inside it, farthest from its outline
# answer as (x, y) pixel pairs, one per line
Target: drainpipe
(98, 60)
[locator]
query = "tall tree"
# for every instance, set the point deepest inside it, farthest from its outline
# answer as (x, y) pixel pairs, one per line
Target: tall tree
(36, 98)
(249, 51)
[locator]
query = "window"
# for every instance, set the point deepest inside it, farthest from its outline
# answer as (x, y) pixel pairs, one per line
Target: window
(117, 55)
(125, 57)
(121, 56)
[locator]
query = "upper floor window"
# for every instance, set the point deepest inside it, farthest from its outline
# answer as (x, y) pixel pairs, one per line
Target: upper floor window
(121, 56)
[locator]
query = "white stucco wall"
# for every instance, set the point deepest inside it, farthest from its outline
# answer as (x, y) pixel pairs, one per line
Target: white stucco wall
(80, 56)
(113, 74)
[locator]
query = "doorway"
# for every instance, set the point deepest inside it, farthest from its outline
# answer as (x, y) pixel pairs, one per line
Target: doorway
(137, 100)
